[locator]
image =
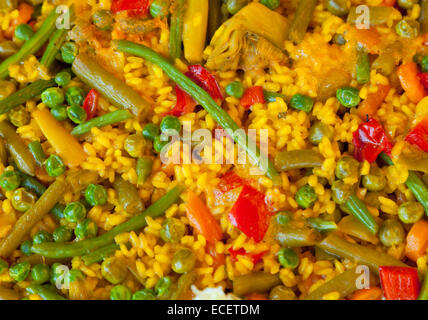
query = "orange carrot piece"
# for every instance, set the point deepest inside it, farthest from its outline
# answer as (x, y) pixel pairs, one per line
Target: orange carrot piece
(202, 219)
(256, 296)
(388, 3)
(25, 13)
(408, 75)
(417, 240)
(373, 101)
(369, 38)
(373, 293)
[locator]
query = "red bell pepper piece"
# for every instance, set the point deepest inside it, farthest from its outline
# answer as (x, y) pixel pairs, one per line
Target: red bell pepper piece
(419, 135)
(423, 76)
(91, 104)
(136, 8)
(252, 96)
(370, 140)
(250, 213)
(399, 283)
(185, 103)
(205, 80)
(255, 257)
(230, 180)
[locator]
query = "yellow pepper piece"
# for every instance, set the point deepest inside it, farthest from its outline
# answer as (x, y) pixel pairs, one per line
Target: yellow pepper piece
(63, 142)
(195, 30)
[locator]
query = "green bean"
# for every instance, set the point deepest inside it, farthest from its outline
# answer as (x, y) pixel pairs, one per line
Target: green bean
(8, 294)
(292, 237)
(359, 210)
(25, 94)
(302, 18)
(344, 284)
(67, 250)
(128, 196)
(298, 159)
(176, 31)
(37, 152)
(7, 49)
(321, 225)
(337, 7)
(3, 152)
(205, 100)
(423, 17)
(357, 253)
(183, 285)
(17, 149)
(363, 66)
(101, 121)
(27, 221)
(214, 17)
(259, 282)
(55, 43)
(32, 184)
(112, 88)
(31, 46)
(46, 292)
(423, 294)
(144, 168)
(378, 15)
(100, 254)
(418, 188)
(272, 96)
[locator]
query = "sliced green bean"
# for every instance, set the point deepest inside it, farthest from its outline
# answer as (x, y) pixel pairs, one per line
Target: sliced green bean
(33, 45)
(256, 282)
(46, 292)
(293, 237)
(360, 211)
(128, 196)
(37, 152)
(21, 96)
(72, 249)
(363, 66)
(205, 100)
(298, 159)
(144, 168)
(302, 18)
(55, 43)
(101, 121)
(419, 189)
(100, 254)
(176, 31)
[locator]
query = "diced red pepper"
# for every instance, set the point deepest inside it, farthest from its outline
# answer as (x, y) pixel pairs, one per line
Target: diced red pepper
(134, 7)
(205, 80)
(418, 136)
(255, 257)
(370, 140)
(185, 103)
(423, 76)
(252, 96)
(250, 214)
(399, 283)
(230, 180)
(91, 104)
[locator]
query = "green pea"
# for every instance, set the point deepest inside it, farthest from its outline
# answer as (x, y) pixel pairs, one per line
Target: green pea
(184, 260)
(10, 180)
(20, 271)
(57, 271)
(158, 144)
(306, 196)
(58, 211)
(23, 200)
(410, 212)
(26, 247)
(406, 4)
(75, 96)
(74, 212)
(86, 229)
(347, 167)
(63, 78)
(52, 97)
(75, 275)
(54, 166)
(288, 258)
(341, 191)
(339, 39)
(114, 270)
(23, 32)
(3, 265)
(159, 8)
(170, 123)
(134, 145)
(172, 230)
(391, 233)
(69, 52)
(145, 294)
(283, 218)
(40, 273)
(19, 116)
(163, 286)
(76, 114)
(282, 293)
(151, 131)
(337, 7)
(302, 102)
(42, 236)
(103, 20)
(235, 89)
(407, 28)
(96, 195)
(318, 131)
(348, 97)
(62, 234)
(120, 292)
(271, 4)
(375, 181)
(233, 6)
(424, 63)
(59, 113)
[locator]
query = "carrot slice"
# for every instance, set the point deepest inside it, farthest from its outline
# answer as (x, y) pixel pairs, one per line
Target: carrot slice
(373, 293)
(371, 104)
(417, 240)
(202, 219)
(25, 13)
(408, 75)
(369, 38)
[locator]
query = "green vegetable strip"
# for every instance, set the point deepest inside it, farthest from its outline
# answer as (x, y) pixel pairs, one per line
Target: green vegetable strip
(55, 43)
(214, 18)
(100, 254)
(45, 292)
(423, 294)
(204, 99)
(176, 31)
(363, 66)
(359, 211)
(423, 18)
(25, 94)
(31, 46)
(72, 249)
(101, 121)
(37, 152)
(302, 18)
(418, 188)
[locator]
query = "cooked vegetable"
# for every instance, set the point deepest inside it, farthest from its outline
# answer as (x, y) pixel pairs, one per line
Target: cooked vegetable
(417, 240)
(144, 168)
(363, 66)
(399, 283)
(23, 200)
(86, 229)
(37, 151)
(391, 233)
(348, 97)
(128, 196)
(69, 52)
(302, 18)
(292, 237)
(20, 271)
(103, 19)
(288, 258)
(306, 196)
(298, 159)
(45, 292)
(373, 101)
(54, 46)
(100, 254)
(407, 73)
(259, 282)
(337, 7)
(195, 24)
(410, 212)
(176, 30)
(302, 102)
(74, 212)
(184, 260)
(407, 28)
